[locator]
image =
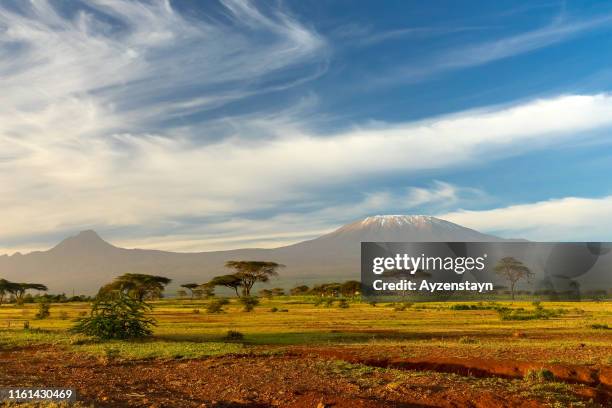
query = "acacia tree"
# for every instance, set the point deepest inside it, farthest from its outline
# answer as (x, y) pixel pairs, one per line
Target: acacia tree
(137, 285)
(250, 272)
(278, 292)
(190, 287)
(299, 290)
(513, 271)
(6, 288)
(229, 281)
(20, 289)
(350, 288)
(326, 289)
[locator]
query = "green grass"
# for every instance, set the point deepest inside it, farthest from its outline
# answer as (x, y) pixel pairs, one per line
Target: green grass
(421, 329)
(23, 338)
(158, 349)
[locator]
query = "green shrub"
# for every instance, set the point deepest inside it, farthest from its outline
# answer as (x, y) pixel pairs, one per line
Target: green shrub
(63, 315)
(116, 317)
(43, 310)
(541, 375)
(521, 314)
(462, 307)
(274, 309)
(216, 305)
(249, 303)
(343, 304)
(233, 335)
(600, 326)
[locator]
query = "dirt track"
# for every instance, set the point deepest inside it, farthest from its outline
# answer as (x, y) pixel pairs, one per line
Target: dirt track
(294, 379)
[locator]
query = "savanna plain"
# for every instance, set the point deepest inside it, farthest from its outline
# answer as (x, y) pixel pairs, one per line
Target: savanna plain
(297, 351)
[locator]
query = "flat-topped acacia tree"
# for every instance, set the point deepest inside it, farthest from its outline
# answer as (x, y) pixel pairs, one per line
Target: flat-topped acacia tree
(20, 289)
(137, 285)
(250, 272)
(228, 281)
(190, 287)
(513, 271)
(5, 288)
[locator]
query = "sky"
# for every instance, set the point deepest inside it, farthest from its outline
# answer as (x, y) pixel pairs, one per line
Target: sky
(205, 125)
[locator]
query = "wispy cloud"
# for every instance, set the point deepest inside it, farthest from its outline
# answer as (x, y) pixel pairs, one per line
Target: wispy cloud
(92, 136)
(364, 35)
(440, 195)
(560, 29)
(562, 219)
(122, 179)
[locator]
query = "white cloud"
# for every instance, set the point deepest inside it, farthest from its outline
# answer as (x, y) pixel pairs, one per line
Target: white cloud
(125, 179)
(81, 145)
(563, 219)
(441, 194)
(560, 29)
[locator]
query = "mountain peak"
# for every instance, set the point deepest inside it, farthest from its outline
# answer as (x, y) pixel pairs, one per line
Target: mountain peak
(401, 219)
(86, 241)
(406, 228)
(88, 234)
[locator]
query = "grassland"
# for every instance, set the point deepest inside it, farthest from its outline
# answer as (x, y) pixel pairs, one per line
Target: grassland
(475, 348)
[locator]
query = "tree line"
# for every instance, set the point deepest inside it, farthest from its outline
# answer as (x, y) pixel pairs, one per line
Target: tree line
(17, 291)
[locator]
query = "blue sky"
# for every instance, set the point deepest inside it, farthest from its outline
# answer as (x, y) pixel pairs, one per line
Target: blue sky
(208, 125)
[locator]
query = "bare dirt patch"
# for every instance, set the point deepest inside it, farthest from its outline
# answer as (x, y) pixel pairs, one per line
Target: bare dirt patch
(597, 378)
(292, 380)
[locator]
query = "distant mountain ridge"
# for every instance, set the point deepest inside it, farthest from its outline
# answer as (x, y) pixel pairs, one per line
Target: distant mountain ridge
(84, 262)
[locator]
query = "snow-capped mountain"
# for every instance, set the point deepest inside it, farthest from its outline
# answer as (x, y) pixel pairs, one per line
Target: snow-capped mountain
(85, 261)
(406, 228)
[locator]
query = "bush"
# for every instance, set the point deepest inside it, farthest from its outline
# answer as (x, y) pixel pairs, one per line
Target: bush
(520, 314)
(541, 375)
(116, 317)
(274, 309)
(233, 335)
(343, 304)
(216, 306)
(600, 326)
(63, 315)
(195, 311)
(463, 307)
(43, 310)
(373, 303)
(479, 306)
(249, 303)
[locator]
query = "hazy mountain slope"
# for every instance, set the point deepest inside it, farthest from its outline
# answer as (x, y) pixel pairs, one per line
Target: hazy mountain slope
(84, 262)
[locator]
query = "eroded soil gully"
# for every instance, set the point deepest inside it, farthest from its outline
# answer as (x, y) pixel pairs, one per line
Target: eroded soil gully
(600, 379)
